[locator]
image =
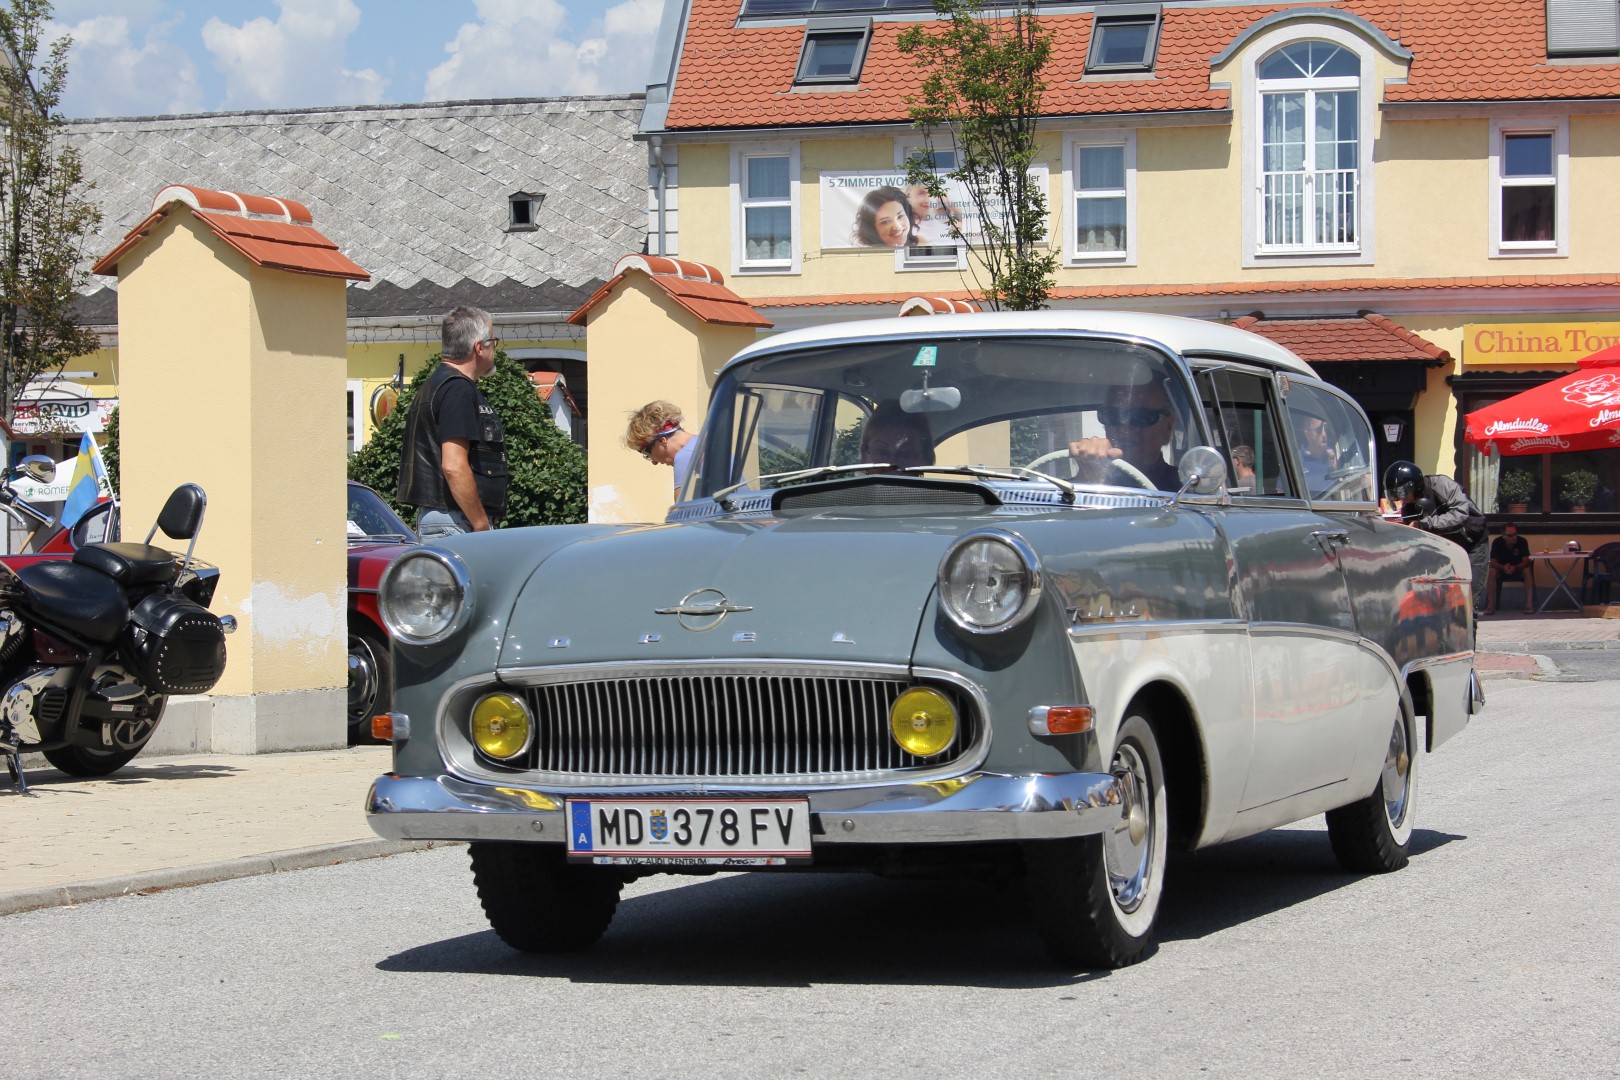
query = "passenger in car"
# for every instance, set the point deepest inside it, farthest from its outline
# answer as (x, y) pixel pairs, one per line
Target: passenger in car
(1138, 421)
(896, 437)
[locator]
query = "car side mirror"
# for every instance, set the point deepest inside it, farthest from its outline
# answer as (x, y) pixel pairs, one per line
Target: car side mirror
(1202, 471)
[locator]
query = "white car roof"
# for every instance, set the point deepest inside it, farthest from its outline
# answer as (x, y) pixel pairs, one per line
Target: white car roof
(1186, 336)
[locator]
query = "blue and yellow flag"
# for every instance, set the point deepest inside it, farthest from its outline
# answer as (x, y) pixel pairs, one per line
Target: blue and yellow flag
(89, 477)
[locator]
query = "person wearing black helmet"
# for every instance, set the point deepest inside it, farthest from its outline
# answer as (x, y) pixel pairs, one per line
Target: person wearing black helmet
(1438, 505)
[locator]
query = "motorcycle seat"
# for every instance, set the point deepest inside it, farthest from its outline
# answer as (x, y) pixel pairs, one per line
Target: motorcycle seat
(77, 598)
(129, 564)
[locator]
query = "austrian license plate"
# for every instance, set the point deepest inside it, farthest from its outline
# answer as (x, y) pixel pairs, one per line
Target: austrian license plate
(680, 832)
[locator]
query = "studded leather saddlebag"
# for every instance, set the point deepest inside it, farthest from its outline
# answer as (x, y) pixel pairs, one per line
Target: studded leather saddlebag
(178, 646)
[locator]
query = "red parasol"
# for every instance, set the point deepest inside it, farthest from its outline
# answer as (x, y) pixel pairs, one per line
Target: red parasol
(1575, 411)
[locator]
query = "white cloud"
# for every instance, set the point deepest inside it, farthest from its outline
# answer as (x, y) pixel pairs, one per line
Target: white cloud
(521, 48)
(109, 74)
(295, 60)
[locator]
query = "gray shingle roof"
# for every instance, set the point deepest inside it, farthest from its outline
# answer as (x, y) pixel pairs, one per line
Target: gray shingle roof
(416, 194)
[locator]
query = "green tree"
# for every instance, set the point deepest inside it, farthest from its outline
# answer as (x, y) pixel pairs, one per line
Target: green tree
(45, 214)
(109, 452)
(547, 470)
(981, 95)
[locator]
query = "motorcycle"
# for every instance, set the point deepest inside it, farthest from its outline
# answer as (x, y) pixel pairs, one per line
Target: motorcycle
(92, 646)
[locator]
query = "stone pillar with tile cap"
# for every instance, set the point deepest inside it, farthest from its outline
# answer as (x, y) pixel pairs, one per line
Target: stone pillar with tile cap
(660, 328)
(232, 354)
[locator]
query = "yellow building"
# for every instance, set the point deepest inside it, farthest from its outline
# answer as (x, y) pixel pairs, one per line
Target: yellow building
(1408, 195)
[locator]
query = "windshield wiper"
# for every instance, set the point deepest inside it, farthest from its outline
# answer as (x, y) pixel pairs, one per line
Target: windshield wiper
(1012, 472)
(723, 496)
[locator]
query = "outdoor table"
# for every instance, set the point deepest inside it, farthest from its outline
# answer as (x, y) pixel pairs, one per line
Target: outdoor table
(1562, 564)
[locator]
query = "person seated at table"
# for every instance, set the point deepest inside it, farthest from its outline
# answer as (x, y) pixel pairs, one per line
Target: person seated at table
(1510, 561)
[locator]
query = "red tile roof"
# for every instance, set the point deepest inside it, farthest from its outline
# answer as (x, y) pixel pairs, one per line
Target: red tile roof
(1463, 50)
(1231, 289)
(1368, 337)
(279, 235)
(697, 287)
(936, 305)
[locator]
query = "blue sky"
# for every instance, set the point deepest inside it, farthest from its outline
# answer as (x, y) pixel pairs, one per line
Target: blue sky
(142, 57)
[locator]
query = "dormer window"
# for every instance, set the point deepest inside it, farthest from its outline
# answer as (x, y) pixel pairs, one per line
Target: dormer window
(1583, 28)
(834, 50)
(524, 211)
(1125, 39)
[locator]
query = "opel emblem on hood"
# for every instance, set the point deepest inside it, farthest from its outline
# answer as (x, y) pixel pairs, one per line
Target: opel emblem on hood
(701, 610)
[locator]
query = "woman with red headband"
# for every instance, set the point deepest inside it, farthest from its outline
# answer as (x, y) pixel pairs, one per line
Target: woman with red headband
(655, 433)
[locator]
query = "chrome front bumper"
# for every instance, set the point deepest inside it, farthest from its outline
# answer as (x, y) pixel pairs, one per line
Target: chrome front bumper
(976, 807)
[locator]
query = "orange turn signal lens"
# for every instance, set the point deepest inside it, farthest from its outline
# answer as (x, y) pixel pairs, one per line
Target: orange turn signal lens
(1068, 719)
(382, 727)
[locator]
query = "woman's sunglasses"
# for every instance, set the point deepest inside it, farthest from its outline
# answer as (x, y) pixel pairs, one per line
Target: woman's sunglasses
(647, 447)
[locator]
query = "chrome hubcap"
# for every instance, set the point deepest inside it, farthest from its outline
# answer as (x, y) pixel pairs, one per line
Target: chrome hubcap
(1128, 846)
(1397, 775)
(362, 678)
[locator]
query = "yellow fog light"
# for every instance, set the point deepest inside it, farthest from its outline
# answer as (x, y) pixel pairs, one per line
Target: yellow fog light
(500, 726)
(923, 722)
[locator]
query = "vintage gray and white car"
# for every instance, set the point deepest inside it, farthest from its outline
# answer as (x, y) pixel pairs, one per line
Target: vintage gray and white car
(1029, 595)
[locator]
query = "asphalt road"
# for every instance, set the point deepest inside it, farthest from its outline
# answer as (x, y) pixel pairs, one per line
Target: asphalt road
(1492, 954)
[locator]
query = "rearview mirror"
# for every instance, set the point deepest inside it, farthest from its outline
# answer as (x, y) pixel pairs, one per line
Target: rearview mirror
(930, 399)
(38, 468)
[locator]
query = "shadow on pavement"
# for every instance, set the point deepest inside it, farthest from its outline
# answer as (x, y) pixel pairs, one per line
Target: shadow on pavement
(45, 778)
(800, 929)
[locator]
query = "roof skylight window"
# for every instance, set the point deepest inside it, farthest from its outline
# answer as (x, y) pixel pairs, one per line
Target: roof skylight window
(1124, 39)
(523, 211)
(834, 50)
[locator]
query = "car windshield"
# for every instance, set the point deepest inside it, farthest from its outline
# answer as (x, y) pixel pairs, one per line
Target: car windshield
(370, 517)
(1086, 410)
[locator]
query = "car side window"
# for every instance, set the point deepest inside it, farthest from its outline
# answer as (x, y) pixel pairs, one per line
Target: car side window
(775, 430)
(1335, 445)
(1242, 412)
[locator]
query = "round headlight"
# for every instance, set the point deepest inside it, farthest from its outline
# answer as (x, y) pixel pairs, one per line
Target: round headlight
(500, 726)
(923, 722)
(422, 596)
(989, 581)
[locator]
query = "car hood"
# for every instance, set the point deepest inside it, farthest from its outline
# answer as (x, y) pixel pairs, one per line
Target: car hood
(849, 585)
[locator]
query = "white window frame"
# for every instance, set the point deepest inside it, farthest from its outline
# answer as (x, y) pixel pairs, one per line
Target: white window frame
(904, 261)
(1073, 142)
(1558, 246)
(740, 264)
(357, 412)
(1255, 251)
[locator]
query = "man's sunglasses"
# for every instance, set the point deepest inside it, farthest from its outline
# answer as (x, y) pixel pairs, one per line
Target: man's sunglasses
(492, 342)
(1137, 416)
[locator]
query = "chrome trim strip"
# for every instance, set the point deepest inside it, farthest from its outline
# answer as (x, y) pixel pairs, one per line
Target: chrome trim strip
(972, 808)
(1149, 627)
(460, 758)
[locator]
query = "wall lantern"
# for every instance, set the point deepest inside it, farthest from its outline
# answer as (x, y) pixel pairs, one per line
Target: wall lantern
(1393, 429)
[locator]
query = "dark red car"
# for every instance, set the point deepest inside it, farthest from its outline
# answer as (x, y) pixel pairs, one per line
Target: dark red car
(376, 537)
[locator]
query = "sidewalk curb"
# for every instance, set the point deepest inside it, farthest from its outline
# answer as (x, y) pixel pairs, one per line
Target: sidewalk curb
(13, 903)
(1545, 646)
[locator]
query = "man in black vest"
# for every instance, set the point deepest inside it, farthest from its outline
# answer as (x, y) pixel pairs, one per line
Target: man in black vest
(453, 464)
(1438, 505)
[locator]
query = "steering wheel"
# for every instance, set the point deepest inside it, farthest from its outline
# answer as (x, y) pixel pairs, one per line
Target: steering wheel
(1131, 471)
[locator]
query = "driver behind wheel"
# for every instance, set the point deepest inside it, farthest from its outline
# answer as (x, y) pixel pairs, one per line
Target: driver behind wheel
(1139, 422)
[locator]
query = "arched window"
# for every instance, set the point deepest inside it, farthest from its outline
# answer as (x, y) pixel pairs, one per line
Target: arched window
(1310, 148)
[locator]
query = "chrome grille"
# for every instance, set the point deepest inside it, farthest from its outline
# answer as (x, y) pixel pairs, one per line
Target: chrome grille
(727, 726)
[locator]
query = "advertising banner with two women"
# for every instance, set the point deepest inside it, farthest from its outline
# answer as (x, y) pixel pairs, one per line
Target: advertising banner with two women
(881, 209)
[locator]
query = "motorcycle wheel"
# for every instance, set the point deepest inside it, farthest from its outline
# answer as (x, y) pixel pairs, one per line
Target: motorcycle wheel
(130, 737)
(371, 680)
